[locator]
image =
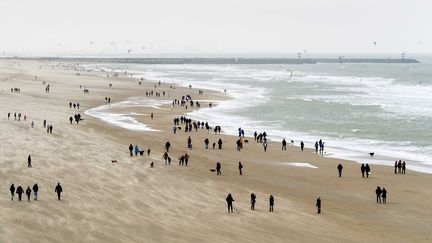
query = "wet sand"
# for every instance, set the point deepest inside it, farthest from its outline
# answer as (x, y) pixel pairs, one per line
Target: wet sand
(131, 202)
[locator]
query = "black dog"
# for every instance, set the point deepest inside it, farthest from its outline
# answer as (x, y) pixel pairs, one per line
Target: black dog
(213, 170)
(372, 154)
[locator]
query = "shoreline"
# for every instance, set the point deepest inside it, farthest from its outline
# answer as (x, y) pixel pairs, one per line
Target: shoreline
(235, 100)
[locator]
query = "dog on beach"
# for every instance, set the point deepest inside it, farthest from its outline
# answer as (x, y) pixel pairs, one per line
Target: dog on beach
(372, 154)
(213, 170)
(114, 161)
(141, 152)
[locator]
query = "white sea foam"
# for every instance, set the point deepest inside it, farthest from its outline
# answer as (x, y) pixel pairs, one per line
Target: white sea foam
(106, 113)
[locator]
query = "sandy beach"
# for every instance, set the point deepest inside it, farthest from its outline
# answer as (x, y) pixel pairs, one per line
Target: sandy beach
(132, 202)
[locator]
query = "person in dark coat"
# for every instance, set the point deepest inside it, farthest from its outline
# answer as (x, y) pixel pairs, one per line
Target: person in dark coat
(403, 167)
(363, 170)
(28, 193)
(253, 201)
(378, 192)
(340, 167)
(58, 190)
(19, 191)
(301, 145)
(167, 146)
(131, 150)
(318, 205)
(399, 165)
(384, 195)
(284, 143)
(218, 169)
(229, 201)
(271, 203)
(35, 191)
(368, 170)
(240, 166)
(395, 167)
(29, 160)
(220, 143)
(12, 191)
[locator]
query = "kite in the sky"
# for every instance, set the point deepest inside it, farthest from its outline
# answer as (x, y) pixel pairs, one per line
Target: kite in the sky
(290, 74)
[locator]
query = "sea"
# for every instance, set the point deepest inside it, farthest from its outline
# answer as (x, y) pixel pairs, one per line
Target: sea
(356, 109)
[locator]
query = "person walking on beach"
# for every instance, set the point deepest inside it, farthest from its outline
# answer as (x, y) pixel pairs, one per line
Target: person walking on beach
(403, 167)
(19, 191)
(265, 146)
(378, 192)
(189, 142)
(218, 169)
(395, 167)
(29, 160)
(165, 157)
(284, 143)
(340, 167)
(399, 167)
(28, 193)
(271, 203)
(316, 147)
(58, 190)
(230, 201)
(12, 191)
(301, 145)
(220, 143)
(368, 170)
(8, 115)
(318, 205)
(206, 143)
(240, 167)
(384, 195)
(35, 191)
(363, 170)
(136, 150)
(130, 150)
(70, 120)
(167, 146)
(252, 200)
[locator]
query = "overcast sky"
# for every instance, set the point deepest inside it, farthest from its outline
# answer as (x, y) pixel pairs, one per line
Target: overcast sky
(215, 26)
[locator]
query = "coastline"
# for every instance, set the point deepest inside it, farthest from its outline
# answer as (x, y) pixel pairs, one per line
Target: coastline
(133, 202)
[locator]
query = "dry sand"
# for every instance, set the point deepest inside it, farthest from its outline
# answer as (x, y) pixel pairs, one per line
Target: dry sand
(131, 202)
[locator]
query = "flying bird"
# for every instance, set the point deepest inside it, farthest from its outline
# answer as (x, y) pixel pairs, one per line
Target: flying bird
(374, 43)
(92, 43)
(129, 51)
